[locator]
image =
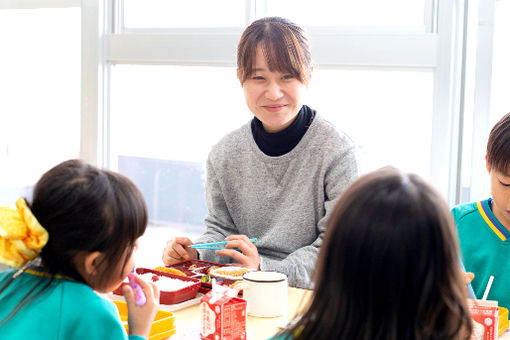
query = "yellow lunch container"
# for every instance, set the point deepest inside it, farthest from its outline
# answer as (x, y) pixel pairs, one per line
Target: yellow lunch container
(163, 325)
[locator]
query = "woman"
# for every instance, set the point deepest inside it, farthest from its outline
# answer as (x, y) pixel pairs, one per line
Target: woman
(389, 266)
(277, 177)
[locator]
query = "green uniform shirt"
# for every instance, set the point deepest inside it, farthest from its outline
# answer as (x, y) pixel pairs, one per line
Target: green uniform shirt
(485, 247)
(68, 310)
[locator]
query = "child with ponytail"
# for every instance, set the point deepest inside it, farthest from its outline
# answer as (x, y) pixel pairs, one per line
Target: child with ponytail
(76, 237)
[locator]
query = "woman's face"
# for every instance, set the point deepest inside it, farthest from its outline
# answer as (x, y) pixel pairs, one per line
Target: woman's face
(274, 98)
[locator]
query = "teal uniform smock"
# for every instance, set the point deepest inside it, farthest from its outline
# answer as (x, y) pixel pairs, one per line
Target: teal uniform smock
(68, 310)
(485, 248)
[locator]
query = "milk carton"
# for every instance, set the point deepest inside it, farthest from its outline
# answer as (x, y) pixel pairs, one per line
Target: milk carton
(222, 315)
(485, 316)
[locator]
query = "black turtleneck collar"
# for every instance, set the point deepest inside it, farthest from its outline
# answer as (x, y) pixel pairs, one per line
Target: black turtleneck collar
(281, 142)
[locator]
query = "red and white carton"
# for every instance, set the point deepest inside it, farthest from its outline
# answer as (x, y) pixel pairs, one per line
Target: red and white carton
(222, 315)
(485, 316)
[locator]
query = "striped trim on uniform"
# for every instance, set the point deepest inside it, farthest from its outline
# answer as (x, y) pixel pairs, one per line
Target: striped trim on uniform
(492, 222)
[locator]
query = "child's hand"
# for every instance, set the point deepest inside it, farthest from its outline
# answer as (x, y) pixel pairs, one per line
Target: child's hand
(140, 318)
(468, 277)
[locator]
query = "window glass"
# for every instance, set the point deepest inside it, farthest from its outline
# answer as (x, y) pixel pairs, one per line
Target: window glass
(350, 13)
(500, 101)
(40, 91)
(387, 113)
(475, 181)
(184, 13)
(173, 112)
(164, 120)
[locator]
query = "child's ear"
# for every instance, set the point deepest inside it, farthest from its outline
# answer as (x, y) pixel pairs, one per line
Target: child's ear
(91, 262)
(487, 165)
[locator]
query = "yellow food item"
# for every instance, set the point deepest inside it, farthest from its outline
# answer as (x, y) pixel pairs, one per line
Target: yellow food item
(235, 284)
(234, 273)
(170, 270)
(212, 268)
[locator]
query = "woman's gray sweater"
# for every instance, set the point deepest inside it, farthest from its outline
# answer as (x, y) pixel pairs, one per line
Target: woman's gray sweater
(283, 201)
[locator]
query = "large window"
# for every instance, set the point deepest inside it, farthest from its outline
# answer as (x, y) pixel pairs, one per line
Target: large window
(409, 81)
(40, 94)
(164, 120)
(159, 89)
(383, 76)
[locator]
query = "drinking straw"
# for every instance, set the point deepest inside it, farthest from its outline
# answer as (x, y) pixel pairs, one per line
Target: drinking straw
(486, 293)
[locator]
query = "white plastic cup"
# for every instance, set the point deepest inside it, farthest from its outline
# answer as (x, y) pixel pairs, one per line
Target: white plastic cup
(265, 293)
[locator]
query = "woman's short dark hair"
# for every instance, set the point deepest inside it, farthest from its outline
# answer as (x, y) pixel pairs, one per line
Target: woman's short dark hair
(498, 145)
(388, 267)
(284, 45)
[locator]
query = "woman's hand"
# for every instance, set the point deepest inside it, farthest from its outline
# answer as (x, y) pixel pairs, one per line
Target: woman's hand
(140, 318)
(248, 256)
(176, 250)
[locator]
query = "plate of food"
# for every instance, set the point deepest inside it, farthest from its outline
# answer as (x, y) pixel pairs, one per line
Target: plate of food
(205, 271)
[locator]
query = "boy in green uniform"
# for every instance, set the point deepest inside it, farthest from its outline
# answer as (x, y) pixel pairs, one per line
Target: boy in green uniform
(484, 227)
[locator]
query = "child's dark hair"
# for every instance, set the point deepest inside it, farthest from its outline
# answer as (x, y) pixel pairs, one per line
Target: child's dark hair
(498, 145)
(86, 209)
(388, 267)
